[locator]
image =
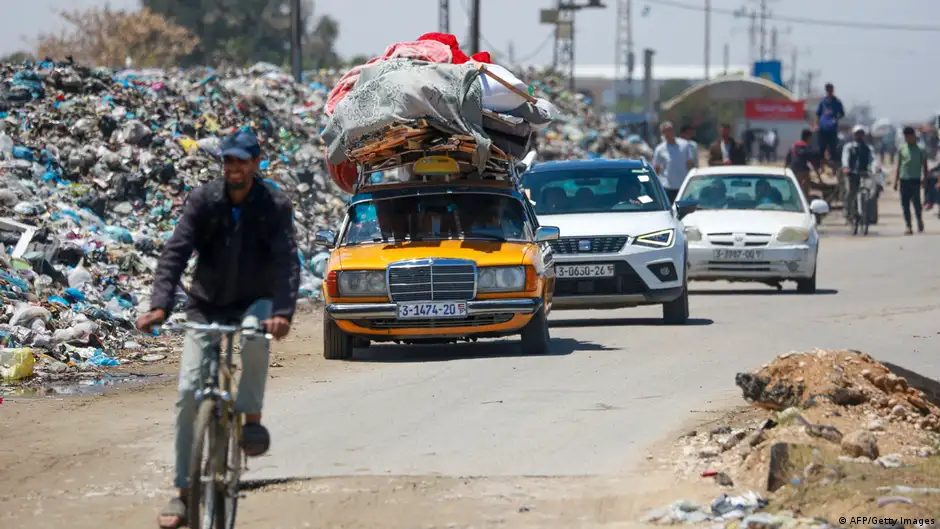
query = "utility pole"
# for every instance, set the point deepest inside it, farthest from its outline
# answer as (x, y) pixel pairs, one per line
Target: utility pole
(511, 50)
(726, 57)
(752, 36)
(562, 17)
(773, 43)
(763, 30)
(296, 32)
(793, 70)
(475, 27)
(443, 16)
(708, 35)
(624, 60)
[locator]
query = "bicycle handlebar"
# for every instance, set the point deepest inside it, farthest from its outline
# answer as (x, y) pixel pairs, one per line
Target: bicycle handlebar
(215, 328)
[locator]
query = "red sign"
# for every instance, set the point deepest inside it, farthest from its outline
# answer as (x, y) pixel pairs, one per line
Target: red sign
(775, 110)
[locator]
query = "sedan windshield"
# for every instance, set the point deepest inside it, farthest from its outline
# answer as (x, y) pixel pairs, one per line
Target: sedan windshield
(436, 217)
(594, 191)
(753, 192)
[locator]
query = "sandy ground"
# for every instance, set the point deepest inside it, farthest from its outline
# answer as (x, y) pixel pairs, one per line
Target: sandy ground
(477, 436)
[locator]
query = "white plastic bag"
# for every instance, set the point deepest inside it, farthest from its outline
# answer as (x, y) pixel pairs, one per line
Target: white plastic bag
(79, 276)
(497, 97)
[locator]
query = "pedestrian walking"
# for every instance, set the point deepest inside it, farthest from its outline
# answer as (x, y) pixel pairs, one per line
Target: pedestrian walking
(671, 160)
(687, 132)
(910, 176)
(802, 159)
(725, 150)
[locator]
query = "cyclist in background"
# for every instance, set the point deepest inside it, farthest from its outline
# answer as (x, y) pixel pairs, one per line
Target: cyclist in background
(858, 160)
(247, 271)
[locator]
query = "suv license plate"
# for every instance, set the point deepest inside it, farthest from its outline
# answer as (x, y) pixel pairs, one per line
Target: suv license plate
(586, 271)
(432, 309)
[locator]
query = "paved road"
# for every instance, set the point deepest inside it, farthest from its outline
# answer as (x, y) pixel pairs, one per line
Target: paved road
(616, 381)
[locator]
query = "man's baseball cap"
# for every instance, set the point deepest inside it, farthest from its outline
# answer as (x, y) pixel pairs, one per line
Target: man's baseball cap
(242, 144)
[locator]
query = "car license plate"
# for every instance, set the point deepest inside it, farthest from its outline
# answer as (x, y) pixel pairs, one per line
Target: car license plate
(432, 309)
(739, 255)
(579, 271)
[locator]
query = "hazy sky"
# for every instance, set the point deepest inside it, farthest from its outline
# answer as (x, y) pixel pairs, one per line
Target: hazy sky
(896, 71)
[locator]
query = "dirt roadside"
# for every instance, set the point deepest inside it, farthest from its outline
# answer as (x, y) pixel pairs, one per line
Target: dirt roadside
(87, 462)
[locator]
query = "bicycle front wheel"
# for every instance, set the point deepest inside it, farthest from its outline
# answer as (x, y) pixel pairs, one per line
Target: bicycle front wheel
(207, 469)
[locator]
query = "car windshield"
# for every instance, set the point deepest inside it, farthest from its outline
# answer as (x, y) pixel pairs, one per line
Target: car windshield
(436, 217)
(744, 191)
(571, 191)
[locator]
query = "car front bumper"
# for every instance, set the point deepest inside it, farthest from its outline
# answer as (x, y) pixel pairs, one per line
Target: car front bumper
(642, 276)
(783, 262)
(485, 318)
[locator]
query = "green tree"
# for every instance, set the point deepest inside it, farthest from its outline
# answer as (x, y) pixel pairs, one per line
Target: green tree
(17, 57)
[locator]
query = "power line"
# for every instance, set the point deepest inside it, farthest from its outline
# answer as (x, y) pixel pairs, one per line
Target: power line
(803, 20)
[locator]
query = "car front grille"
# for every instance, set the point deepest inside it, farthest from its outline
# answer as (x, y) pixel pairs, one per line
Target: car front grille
(432, 280)
(748, 240)
(478, 320)
(624, 281)
(571, 245)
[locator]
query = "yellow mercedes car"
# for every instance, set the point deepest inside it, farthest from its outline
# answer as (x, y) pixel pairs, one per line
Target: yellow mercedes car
(441, 262)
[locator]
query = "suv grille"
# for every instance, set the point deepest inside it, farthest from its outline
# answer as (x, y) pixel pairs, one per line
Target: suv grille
(424, 280)
(570, 245)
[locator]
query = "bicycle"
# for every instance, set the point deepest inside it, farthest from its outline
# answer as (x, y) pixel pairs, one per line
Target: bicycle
(214, 475)
(864, 199)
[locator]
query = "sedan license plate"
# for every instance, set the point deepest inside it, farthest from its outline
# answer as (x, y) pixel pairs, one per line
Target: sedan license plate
(432, 309)
(739, 255)
(587, 271)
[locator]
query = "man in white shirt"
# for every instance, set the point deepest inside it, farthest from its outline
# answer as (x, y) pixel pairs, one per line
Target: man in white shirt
(671, 160)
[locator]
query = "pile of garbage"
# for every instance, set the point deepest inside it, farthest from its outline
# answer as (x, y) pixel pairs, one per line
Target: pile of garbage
(95, 165)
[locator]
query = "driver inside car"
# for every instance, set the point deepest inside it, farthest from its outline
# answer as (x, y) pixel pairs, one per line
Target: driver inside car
(628, 192)
(766, 194)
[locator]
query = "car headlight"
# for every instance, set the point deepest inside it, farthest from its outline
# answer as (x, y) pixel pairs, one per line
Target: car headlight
(362, 283)
(657, 239)
(692, 233)
(793, 235)
(501, 279)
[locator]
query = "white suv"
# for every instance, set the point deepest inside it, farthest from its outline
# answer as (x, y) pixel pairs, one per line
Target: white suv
(622, 242)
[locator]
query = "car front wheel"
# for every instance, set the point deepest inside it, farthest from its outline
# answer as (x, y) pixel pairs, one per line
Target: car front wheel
(337, 345)
(535, 336)
(676, 312)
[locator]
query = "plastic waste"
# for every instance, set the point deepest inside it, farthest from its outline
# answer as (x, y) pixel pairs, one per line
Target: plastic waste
(16, 364)
(79, 276)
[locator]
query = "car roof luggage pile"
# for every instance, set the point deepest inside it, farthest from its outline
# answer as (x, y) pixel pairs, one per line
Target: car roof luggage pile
(426, 98)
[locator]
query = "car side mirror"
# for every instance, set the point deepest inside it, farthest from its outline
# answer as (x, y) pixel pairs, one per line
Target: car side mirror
(685, 207)
(819, 206)
(325, 238)
(547, 233)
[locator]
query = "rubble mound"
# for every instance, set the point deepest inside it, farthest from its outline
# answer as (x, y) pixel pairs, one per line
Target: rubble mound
(845, 378)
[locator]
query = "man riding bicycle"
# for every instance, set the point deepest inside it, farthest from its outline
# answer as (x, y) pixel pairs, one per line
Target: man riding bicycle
(247, 271)
(858, 160)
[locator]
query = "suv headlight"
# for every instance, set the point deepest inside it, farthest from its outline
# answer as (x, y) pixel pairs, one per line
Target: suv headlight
(793, 235)
(501, 279)
(692, 233)
(657, 239)
(362, 283)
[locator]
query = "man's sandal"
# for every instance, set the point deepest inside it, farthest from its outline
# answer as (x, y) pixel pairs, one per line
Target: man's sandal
(173, 515)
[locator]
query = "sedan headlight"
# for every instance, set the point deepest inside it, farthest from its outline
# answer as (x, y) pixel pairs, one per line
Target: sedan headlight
(657, 239)
(793, 235)
(501, 279)
(362, 283)
(692, 233)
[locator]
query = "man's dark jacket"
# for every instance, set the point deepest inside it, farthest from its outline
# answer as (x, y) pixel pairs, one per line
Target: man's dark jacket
(735, 153)
(237, 263)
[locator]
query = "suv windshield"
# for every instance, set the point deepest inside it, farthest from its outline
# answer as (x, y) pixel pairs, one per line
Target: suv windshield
(436, 217)
(761, 192)
(594, 191)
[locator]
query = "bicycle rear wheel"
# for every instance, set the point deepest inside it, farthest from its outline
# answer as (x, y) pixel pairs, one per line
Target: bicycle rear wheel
(207, 469)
